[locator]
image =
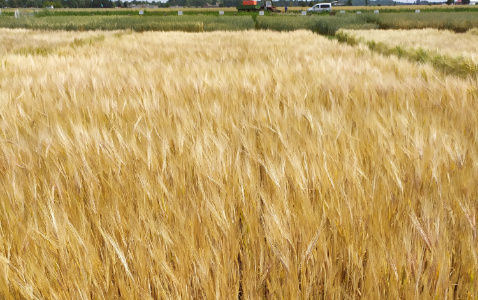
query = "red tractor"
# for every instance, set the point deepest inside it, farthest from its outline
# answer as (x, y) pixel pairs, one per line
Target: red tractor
(249, 5)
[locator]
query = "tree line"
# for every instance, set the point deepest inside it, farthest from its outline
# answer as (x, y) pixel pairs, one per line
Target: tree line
(124, 4)
(184, 3)
(76, 3)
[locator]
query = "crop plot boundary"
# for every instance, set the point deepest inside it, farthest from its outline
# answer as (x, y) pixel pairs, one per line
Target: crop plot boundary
(458, 66)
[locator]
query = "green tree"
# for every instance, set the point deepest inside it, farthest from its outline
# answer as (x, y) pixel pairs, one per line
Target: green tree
(54, 4)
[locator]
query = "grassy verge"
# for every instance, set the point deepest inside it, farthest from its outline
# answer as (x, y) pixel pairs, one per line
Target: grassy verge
(458, 66)
(455, 21)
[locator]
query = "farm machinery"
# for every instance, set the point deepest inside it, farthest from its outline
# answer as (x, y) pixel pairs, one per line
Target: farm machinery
(248, 5)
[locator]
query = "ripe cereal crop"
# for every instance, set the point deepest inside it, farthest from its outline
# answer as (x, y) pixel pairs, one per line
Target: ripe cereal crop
(232, 165)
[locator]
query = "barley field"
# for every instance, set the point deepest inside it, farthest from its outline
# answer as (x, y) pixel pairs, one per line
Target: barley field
(444, 42)
(248, 165)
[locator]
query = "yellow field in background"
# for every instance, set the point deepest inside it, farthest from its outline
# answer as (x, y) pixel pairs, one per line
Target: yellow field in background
(225, 165)
(441, 41)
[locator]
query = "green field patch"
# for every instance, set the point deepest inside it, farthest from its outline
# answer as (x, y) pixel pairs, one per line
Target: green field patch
(198, 21)
(135, 23)
(325, 25)
(455, 21)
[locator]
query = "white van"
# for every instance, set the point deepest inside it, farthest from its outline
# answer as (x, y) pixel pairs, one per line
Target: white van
(321, 7)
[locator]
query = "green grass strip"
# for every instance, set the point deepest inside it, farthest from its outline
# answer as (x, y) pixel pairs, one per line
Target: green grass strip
(458, 66)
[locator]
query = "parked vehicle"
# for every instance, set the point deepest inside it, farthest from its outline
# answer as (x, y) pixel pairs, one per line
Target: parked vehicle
(320, 7)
